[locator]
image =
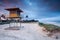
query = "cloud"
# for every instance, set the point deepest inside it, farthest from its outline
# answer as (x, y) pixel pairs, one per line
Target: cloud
(51, 20)
(10, 1)
(1, 13)
(7, 3)
(53, 5)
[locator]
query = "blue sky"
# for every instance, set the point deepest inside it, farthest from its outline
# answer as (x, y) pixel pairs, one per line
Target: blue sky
(47, 11)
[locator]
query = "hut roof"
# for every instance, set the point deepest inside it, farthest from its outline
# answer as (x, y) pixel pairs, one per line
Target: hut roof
(14, 9)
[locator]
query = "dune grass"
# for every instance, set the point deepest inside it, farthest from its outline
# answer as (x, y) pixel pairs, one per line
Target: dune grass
(50, 27)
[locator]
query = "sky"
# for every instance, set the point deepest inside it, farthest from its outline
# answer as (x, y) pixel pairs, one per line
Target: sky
(46, 11)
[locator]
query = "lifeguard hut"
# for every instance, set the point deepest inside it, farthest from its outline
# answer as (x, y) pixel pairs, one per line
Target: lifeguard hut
(15, 17)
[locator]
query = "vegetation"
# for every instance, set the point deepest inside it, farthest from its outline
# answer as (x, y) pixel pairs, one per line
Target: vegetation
(50, 27)
(4, 22)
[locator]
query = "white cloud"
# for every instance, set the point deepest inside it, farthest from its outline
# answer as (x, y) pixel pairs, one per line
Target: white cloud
(50, 20)
(1, 13)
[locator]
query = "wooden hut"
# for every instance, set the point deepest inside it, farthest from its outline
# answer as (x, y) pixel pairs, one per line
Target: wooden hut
(14, 13)
(14, 16)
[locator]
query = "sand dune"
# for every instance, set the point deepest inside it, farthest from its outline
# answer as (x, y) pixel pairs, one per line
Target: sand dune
(30, 32)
